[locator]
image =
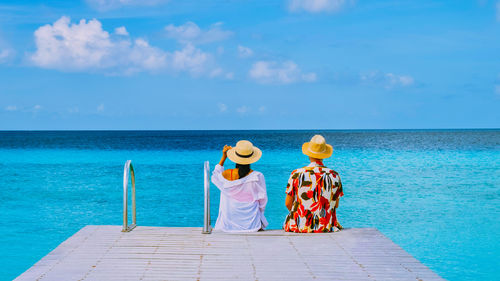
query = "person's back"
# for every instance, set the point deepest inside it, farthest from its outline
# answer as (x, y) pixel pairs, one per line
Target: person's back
(243, 191)
(313, 192)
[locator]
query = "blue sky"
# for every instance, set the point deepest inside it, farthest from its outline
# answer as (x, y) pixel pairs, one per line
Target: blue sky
(237, 64)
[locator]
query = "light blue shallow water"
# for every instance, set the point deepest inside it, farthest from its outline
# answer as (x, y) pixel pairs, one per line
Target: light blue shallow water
(435, 193)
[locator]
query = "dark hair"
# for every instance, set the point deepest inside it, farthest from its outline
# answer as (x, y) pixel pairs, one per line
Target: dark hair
(243, 170)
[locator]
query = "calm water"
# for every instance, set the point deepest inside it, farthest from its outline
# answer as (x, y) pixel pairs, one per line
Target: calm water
(435, 193)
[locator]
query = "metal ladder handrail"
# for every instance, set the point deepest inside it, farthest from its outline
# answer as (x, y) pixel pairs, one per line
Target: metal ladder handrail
(207, 227)
(128, 169)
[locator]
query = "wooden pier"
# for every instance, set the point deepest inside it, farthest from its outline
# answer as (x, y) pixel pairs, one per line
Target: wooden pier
(183, 253)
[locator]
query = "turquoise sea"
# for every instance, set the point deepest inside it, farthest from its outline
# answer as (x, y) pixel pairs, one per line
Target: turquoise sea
(436, 193)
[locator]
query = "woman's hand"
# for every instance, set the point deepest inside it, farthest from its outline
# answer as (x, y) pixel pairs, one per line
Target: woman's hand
(224, 154)
(225, 149)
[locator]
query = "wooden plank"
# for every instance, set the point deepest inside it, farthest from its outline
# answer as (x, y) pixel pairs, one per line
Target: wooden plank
(183, 253)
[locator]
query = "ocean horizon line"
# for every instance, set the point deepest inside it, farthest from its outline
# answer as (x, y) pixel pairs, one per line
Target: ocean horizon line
(250, 130)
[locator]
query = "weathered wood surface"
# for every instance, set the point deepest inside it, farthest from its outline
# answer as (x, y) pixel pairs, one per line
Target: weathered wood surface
(183, 253)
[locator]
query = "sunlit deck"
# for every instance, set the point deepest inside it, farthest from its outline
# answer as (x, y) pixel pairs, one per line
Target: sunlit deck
(183, 253)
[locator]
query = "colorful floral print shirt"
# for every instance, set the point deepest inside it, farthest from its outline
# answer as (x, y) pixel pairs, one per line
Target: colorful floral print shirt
(315, 189)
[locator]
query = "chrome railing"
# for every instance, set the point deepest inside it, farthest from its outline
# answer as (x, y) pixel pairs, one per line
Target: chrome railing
(207, 228)
(128, 170)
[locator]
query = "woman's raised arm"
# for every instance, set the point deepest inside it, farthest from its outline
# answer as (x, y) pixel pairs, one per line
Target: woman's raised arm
(224, 154)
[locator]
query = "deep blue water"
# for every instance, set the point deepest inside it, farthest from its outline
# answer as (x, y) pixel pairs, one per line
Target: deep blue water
(436, 193)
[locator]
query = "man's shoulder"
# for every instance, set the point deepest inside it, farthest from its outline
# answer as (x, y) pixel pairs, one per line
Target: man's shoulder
(308, 169)
(330, 170)
(298, 171)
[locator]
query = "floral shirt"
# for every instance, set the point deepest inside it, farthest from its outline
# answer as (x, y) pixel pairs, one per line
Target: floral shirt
(315, 189)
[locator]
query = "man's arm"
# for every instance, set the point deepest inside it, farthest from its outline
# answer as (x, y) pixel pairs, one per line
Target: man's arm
(289, 202)
(290, 191)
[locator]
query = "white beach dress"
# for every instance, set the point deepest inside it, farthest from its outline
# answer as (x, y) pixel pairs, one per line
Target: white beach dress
(242, 202)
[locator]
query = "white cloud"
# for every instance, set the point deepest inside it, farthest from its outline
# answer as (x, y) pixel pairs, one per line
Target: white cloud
(121, 31)
(37, 107)
(87, 46)
(190, 32)
(282, 73)
(11, 108)
(386, 80)
(309, 77)
(222, 107)
(6, 55)
(100, 108)
(316, 6)
(142, 56)
(190, 59)
(105, 5)
(262, 109)
(215, 72)
(68, 46)
(243, 109)
(219, 72)
(73, 46)
(244, 52)
(3, 55)
(398, 80)
(6, 52)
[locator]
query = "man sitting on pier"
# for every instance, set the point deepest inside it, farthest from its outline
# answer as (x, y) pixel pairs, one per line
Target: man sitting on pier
(313, 192)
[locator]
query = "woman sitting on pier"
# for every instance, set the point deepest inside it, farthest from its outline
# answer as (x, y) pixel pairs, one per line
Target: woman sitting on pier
(243, 196)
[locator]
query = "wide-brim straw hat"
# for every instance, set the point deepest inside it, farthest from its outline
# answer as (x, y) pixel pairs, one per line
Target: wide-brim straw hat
(317, 148)
(244, 153)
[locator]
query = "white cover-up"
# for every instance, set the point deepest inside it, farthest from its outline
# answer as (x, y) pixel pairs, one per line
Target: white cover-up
(242, 202)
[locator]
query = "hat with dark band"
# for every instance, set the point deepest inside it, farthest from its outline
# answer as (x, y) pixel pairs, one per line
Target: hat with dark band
(244, 153)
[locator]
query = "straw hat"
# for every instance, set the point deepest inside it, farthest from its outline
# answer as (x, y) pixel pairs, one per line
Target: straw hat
(244, 153)
(317, 148)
